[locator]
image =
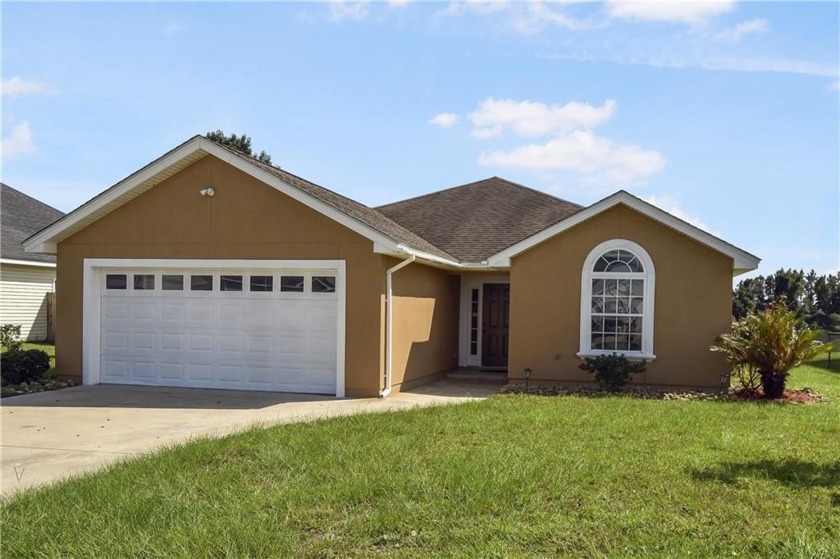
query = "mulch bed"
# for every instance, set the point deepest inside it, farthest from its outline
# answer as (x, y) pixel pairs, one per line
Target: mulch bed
(35, 386)
(790, 396)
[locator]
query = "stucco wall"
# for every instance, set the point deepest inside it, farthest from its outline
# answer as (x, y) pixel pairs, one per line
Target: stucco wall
(425, 322)
(245, 219)
(692, 302)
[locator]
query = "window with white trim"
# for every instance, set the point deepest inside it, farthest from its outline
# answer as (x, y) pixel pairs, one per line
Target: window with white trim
(617, 289)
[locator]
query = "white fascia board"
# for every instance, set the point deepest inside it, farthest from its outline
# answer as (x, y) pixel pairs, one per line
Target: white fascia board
(743, 261)
(46, 240)
(27, 263)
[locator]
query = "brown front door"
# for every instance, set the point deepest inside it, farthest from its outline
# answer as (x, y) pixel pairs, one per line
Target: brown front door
(495, 325)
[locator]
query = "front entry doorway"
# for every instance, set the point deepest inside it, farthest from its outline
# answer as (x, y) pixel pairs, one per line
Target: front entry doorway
(495, 325)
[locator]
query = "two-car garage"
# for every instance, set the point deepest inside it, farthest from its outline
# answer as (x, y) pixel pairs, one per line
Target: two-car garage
(235, 324)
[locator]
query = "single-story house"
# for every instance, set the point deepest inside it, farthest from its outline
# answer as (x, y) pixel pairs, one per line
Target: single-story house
(26, 279)
(208, 268)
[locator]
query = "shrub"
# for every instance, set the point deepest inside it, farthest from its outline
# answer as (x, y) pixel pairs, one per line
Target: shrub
(23, 365)
(772, 342)
(10, 337)
(613, 371)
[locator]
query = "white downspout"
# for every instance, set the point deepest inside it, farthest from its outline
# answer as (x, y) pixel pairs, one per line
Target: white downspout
(389, 323)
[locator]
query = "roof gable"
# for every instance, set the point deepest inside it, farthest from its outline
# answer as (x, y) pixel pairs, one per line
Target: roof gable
(742, 261)
(21, 216)
(387, 236)
(476, 220)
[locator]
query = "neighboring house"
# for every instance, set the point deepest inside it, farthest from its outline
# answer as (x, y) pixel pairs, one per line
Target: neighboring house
(25, 278)
(208, 268)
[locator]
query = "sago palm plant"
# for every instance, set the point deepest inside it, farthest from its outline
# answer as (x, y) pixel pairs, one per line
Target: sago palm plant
(771, 342)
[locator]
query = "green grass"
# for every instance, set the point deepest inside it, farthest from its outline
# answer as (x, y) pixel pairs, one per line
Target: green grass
(511, 476)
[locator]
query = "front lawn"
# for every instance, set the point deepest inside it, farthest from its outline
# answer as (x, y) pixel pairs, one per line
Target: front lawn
(511, 476)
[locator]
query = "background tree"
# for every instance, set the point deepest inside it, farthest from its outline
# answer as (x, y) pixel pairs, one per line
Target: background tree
(815, 299)
(239, 143)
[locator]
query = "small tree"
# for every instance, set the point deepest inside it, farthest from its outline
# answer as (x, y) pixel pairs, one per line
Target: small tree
(772, 342)
(239, 143)
(10, 337)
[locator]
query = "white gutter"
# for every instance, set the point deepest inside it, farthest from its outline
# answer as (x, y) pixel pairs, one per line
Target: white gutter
(389, 324)
(27, 263)
(428, 257)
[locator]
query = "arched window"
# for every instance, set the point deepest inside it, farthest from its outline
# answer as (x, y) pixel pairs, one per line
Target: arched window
(616, 310)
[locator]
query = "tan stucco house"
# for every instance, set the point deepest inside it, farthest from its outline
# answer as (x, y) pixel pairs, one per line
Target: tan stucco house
(208, 268)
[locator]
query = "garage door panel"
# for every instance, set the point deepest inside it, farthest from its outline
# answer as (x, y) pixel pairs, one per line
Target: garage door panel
(171, 370)
(274, 340)
(172, 311)
(172, 341)
(113, 309)
(144, 340)
(201, 342)
(144, 370)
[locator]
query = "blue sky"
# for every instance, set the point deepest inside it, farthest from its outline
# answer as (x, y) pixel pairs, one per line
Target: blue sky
(723, 113)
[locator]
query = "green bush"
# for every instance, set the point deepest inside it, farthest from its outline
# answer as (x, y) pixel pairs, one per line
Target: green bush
(613, 371)
(23, 365)
(10, 337)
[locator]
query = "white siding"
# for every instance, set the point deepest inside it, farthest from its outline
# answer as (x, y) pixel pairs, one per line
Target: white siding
(23, 291)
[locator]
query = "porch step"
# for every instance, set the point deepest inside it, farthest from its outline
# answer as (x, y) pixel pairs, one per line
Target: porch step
(478, 374)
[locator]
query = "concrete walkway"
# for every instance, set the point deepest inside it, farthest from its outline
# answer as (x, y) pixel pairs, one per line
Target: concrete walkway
(50, 435)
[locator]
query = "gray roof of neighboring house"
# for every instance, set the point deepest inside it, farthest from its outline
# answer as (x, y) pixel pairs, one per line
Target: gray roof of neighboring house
(476, 220)
(368, 216)
(20, 217)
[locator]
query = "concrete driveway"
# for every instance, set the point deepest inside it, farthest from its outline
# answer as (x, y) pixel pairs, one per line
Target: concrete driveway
(50, 435)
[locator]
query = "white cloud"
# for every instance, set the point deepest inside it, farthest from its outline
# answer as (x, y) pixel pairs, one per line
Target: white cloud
(350, 10)
(736, 33)
(670, 205)
(669, 11)
(398, 3)
(20, 142)
(538, 15)
(19, 86)
(596, 158)
(526, 17)
(530, 119)
(171, 28)
(726, 64)
(444, 120)
(480, 7)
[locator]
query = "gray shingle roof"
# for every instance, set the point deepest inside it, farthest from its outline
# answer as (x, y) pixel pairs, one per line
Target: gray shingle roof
(368, 216)
(20, 217)
(476, 220)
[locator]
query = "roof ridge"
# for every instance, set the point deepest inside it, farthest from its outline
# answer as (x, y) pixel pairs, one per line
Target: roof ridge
(475, 183)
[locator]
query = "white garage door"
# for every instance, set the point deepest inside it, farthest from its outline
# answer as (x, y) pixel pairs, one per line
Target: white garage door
(252, 329)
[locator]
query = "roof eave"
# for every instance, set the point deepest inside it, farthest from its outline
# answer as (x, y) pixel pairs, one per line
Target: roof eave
(743, 261)
(46, 240)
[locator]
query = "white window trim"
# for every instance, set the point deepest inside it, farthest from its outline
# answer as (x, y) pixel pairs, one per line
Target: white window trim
(94, 285)
(586, 300)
